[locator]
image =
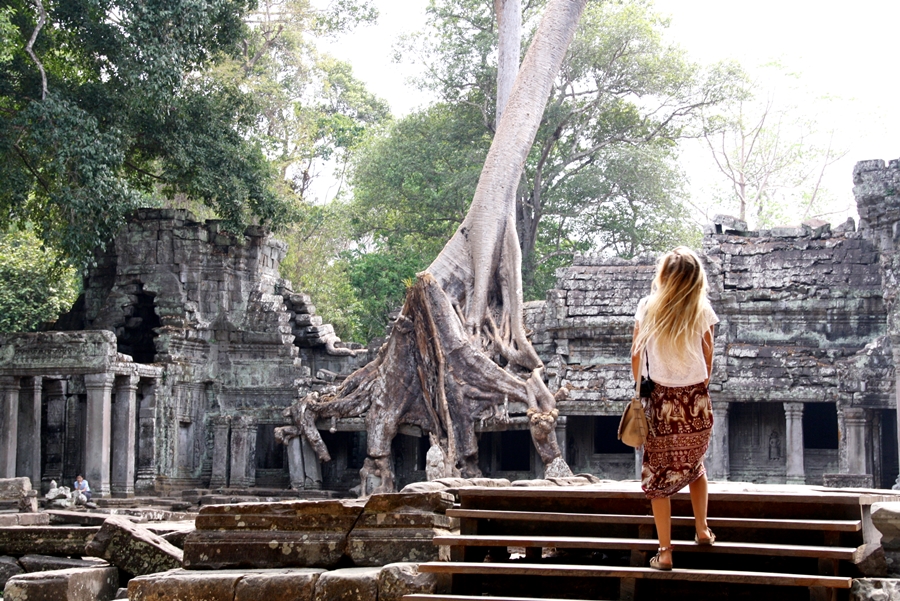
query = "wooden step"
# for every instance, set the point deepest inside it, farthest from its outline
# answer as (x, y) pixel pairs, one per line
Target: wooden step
(576, 542)
(426, 597)
(580, 571)
(599, 518)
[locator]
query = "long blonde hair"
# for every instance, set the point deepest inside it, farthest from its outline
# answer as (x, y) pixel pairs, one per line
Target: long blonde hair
(675, 309)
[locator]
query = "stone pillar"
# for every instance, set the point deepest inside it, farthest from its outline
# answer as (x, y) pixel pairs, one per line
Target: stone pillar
(146, 440)
(793, 416)
(219, 477)
(312, 468)
(9, 420)
(718, 464)
(28, 446)
(854, 439)
(243, 452)
(561, 435)
(124, 436)
(295, 462)
(55, 428)
(98, 432)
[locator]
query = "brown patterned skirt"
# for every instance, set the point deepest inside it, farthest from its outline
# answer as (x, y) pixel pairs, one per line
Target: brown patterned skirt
(681, 423)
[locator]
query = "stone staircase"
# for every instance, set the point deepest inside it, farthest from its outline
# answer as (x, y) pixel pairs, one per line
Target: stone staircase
(594, 543)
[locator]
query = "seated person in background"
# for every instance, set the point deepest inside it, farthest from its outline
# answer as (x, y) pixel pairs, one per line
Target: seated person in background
(82, 486)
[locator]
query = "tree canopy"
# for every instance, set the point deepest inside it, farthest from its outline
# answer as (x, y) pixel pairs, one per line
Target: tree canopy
(108, 104)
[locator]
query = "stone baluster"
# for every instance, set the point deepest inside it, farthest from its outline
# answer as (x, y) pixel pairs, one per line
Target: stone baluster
(793, 415)
(28, 446)
(98, 432)
(9, 420)
(854, 439)
(124, 425)
(220, 426)
(243, 452)
(719, 465)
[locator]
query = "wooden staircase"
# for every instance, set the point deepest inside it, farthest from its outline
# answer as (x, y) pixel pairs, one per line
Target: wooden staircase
(594, 543)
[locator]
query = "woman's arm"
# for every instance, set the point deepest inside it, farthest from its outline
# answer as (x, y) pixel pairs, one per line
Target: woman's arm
(636, 362)
(708, 338)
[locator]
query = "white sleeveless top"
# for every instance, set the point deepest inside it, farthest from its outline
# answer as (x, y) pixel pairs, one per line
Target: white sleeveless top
(665, 371)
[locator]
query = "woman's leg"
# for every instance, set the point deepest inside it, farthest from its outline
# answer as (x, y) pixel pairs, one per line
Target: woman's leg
(699, 500)
(662, 515)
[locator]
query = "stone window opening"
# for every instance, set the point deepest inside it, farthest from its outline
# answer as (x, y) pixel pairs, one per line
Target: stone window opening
(138, 336)
(606, 436)
(820, 426)
(515, 451)
(270, 455)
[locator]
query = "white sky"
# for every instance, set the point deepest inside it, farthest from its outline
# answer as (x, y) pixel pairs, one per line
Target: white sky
(846, 51)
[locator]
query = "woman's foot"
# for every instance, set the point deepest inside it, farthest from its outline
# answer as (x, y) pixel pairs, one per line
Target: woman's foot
(706, 540)
(663, 559)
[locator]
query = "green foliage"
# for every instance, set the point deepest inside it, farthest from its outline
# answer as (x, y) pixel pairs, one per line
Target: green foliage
(602, 175)
(129, 116)
(35, 284)
(380, 277)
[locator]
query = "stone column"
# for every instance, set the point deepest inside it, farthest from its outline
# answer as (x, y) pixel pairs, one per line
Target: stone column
(312, 469)
(243, 452)
(146, 440)
(561, 435)
(219, 477)
(718, 464)
(28, 446)
(854, 439)
(98, 432)
(793, 416)
(9, 420)
(124, 437)
(295, 462)
(55, 444)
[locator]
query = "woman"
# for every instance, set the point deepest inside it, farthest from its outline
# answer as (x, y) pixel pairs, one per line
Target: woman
(673, 346)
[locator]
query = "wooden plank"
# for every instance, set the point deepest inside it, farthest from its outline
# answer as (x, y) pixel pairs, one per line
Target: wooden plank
(600, 518)
(636, 544)
(808, 496)
(437, 597)
(576, 571)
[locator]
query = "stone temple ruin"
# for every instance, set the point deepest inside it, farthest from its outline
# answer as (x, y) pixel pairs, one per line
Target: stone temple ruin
(187, 349)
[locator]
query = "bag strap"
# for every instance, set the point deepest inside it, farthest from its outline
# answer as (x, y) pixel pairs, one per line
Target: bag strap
(647, 357)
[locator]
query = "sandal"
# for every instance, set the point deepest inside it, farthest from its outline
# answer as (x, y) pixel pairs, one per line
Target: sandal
(656, 564)
(707, 542)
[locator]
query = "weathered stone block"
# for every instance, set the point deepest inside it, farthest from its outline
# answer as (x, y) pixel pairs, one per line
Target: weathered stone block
(298, 584)
(133, 548)
(348, 584)
(44, 563)
(875, 589)
(398, 579)
(271, 535)
(399, 527)
(9, 567)
(183, 585)
(77, 584)
(45, 540)
(886, 518)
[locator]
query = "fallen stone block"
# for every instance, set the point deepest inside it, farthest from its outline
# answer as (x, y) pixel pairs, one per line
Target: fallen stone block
(398, 579)
(133, 548)
(44, 563)
(886, 519)
(271, 535)
(9, 567)
(295, 584)
(298, 584)
(874, 589)
(348, 584)
(82, 518)
(77, 584)
(23, 519)
(122, 593)
(46, 540)
(399, 527)
(13, 488)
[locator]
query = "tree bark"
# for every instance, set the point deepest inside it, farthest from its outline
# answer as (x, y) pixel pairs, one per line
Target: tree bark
(509, 29)
(459, 352)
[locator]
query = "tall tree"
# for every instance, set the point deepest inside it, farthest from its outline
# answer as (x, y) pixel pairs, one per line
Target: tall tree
(106, 106)
(623, 93)
(459, 352)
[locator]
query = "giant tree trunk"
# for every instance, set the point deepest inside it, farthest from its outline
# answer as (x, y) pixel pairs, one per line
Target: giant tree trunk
(459, 352)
